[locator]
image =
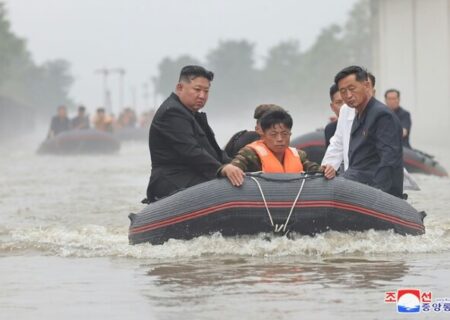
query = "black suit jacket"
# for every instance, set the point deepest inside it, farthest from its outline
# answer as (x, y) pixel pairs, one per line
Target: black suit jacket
(239, 140)
(183, 149)
(405, 120)
(330, 129)
(375, 150)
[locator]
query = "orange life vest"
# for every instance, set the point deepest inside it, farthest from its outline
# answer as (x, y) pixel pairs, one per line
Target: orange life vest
(270, 163)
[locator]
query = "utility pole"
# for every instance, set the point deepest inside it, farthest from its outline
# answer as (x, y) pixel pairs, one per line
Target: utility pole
(146, 95)
(153, 79)
(133, 91)
(104, 72)
(121, 72)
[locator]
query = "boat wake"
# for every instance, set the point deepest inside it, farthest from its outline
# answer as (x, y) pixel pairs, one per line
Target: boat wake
(100, 241)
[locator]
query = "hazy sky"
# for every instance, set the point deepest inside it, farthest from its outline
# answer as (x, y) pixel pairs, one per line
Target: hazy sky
(137, 34)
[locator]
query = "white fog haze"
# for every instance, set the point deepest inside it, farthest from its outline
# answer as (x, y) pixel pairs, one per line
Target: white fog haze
(136, 35)
(71, 187)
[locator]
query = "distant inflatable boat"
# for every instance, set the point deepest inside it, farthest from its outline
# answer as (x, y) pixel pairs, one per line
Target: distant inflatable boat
(88, 141)
(132, 134)
(267, 203)
(313, 143)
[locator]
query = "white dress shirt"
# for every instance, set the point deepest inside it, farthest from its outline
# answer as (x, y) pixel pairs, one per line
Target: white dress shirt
(337, 151)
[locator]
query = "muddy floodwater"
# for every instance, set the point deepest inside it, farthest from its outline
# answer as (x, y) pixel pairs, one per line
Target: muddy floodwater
(64, 252)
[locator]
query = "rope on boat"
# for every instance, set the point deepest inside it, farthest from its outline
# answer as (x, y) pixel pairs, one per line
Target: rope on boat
(282, 227)
(293, 204)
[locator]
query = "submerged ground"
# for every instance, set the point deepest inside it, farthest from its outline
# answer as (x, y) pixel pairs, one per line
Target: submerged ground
(64, 252)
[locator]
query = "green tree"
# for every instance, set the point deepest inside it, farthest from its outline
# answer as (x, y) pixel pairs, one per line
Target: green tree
(289, 76)
(334, 49)
(358, 34)
(236, 78)
(320, 63)
(40, 87)
(12, 49)
(281, 73)
(50, 85)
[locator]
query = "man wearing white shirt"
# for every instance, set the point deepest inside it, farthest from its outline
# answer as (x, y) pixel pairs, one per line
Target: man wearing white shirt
(337, 151)
(335, 105)
(375, 155)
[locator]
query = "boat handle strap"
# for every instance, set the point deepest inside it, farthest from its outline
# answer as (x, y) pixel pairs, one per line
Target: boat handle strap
(282, 227)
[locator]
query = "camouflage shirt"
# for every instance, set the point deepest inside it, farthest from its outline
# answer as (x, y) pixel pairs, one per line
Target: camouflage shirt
(248, 161)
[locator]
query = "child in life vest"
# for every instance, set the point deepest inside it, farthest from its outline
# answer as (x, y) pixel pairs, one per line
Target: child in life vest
(271, 154)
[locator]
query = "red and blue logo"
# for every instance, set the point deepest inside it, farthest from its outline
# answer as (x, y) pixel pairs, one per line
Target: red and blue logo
(409, 300)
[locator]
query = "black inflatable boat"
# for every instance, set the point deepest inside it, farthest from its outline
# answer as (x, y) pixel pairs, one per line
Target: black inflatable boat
(89, 141)
(132, 134)
(313, 143)
(266, 203)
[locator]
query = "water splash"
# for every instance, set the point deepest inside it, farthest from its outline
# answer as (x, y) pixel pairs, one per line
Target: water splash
(100, 241)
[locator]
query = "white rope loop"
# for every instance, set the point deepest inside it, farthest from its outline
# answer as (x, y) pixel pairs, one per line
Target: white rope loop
(264, 200)
(282, 227)
(293, 205)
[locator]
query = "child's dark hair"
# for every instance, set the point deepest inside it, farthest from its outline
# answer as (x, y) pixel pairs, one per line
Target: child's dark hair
(272, 118)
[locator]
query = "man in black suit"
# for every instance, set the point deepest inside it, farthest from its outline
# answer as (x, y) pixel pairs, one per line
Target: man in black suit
(392, 98)
(60, 123)
(183, 149)
(335, 105)
(375, 150)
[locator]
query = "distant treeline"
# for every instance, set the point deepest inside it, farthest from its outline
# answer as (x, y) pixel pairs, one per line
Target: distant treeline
(289, 76)
(23, 83)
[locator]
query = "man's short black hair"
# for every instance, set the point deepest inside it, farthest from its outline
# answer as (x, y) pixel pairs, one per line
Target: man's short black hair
(359, 72)
(333, 89)
(392, 90)
(371, 78)
(82, 108)
(189, 73)
(101, 110)
(271, 118)
(263, 108)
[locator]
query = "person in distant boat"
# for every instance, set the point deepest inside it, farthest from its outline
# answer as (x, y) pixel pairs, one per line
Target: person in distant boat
(244, 137)
(81, 121)
(375, 151)
(102, 121)
(271, 154)
(183, 148)
(146, 119)
(392, 99)
(59, 123)
(127, 119)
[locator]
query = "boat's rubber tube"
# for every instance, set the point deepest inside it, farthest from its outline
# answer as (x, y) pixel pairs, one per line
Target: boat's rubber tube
(313, 144)
(217, 206)
(88, 141)
(132, 134)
